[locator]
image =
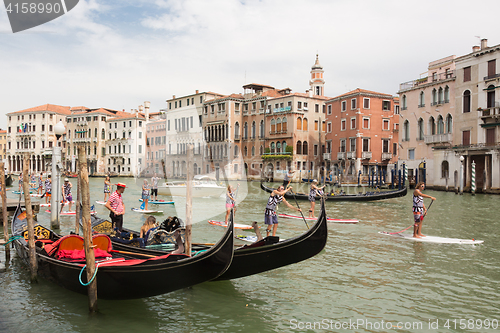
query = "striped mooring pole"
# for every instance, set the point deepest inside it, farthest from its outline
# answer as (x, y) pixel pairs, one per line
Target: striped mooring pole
(405, 173)
(473, 178)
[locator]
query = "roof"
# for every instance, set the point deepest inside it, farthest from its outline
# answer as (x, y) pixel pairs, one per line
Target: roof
(360, 91)
(65, 110)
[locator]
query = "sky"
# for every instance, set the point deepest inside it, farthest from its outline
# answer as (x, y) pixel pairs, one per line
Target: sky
(119, 53)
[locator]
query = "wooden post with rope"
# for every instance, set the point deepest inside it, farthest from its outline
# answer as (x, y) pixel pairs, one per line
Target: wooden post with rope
(4, 212)
(189, 199)
(29, 218)
(78, 199)
(87, 229)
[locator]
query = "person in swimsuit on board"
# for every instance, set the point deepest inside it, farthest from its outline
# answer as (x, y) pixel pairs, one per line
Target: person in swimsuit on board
(419, 209)
(270, 215)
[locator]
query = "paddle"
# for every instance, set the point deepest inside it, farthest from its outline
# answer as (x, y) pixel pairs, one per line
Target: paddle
(300, 210)
(143, 205)
(393, 233)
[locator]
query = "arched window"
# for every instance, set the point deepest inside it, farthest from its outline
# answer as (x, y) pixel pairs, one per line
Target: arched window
(445, 169)
(236, 130)
(406, 130)
(420, 129)
(466, 101)
(299, 147)
(421, 99)
(273, 126)
(245, 131)
(432, 126)
(440, 125)
(449, 124)
(447, 94)
(261, 150)
(434, 96)
(404, 102)
(253, 150)
(305, 148)
(440, 96)
(283, 124)
(278, 125)
(299, 123)
(304, 124)
(246, 151)
(253, 130)
(103, 134)
(261, 129)
(236, 150)
(278, 148)
(283, 146)
(273, 148)
(490, 98)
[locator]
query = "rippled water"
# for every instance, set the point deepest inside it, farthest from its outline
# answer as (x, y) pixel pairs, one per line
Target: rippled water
(361, 276)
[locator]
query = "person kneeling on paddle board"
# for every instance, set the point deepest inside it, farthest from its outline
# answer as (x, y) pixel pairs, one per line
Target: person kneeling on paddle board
(419, 209)
(116, 206)
(270, 216)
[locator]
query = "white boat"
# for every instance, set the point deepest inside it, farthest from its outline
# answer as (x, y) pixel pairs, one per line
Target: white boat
(203, 186)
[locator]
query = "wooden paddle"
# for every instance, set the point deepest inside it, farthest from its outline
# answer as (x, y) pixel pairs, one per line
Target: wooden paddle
(398, 232)
(300, 210)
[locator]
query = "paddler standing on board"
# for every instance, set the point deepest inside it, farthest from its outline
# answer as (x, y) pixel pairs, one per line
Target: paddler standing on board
(270, 216)
(116, 206)
(419, 209)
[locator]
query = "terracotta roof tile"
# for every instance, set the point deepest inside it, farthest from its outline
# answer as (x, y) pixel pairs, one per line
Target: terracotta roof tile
(65, 110)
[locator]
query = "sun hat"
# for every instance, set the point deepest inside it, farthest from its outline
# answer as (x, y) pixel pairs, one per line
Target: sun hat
(121, 185)
(66, 179)
(315, 180)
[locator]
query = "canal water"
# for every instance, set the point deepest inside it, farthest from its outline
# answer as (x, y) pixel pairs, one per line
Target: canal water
(362, 282)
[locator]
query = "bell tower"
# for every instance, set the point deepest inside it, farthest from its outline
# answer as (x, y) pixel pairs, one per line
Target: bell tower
(317, 82)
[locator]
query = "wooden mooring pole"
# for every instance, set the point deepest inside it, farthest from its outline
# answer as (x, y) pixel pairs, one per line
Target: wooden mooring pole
(189, 199)
(87, 229)
(4, 212)
(29, 217)
(78, 199)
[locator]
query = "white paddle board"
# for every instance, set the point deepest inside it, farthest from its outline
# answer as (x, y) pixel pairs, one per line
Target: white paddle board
(146, 211)
(251, 239)
(236, 225)
(100, 202)
(159, 202)
(434, 239)
(329, 219)
(66, 213)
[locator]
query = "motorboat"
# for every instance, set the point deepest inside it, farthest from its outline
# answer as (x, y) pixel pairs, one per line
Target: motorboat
(203, 186)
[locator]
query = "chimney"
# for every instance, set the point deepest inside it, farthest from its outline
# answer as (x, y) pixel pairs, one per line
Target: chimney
(173, 96)
(484, 43)
(146, 109)
(197, 91)
(475, 48)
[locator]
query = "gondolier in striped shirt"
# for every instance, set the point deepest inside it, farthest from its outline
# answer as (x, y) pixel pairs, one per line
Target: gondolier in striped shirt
(270, 216)
(117, 207)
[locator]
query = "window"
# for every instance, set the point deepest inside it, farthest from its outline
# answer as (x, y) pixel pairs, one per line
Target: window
(316, 125)
(329, 127)
(273, 126)
(316, 108)
(445, 167)
(449, 124)
(305, 106)
(352, 144)
(299, 105)
(440, 125)
(278, 125)
(284, 124)
(366, 103)
(299, 147)
(432, 126)
(406, 130)
(440, 95)
(366, 123)
(305, 148)
(467, 76)
(404, 101)
(446, 94)
(329, 109)
(342, 145)
(490, 96)
(411, 154)
(353, 104)
(353, 123)
(420, 129)
(343, 106)
(492, 68)
(421, 101)
(386, 105)
(299, 123)
(343, 125)
(466, 138)
(385, 124)
(304, 124)
(366, 144)
(466, 102)
(315, 150)
(385, 146)
(236, 106)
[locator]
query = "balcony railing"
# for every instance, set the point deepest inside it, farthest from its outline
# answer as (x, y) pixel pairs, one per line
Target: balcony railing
(327, 156)
(490, 77)
(438, 138)
(436, 78)
(386, 156)
(366, 155)
(351, 155)
(237, 137)
(341, 155)
(490, 112)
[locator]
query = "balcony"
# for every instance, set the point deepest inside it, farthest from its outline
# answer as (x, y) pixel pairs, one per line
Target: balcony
(327, 156)
(237, 137)
(351, 155)
(492, 112)
(438, 138)
(80, 140)
(341, 155)
(425, 80)
(491, 77)
(386, 156)
(366, 155)
(25, 134)
(277, 156)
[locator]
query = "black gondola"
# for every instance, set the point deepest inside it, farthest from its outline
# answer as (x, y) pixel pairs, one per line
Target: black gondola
(264, 255)
(369, 196)
(126, 277)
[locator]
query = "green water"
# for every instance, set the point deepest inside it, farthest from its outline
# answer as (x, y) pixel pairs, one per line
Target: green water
(361, 277)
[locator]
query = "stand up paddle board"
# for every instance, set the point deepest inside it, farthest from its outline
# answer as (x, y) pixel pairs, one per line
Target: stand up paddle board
(100, 202)
(159, 202)
(288, 216)
(69, 213)
(147, 211)
(236, 225)
(251, 239)
(433, 239)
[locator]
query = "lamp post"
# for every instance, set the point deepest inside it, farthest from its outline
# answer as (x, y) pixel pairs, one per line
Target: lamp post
(59, 130)
(462, 158)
